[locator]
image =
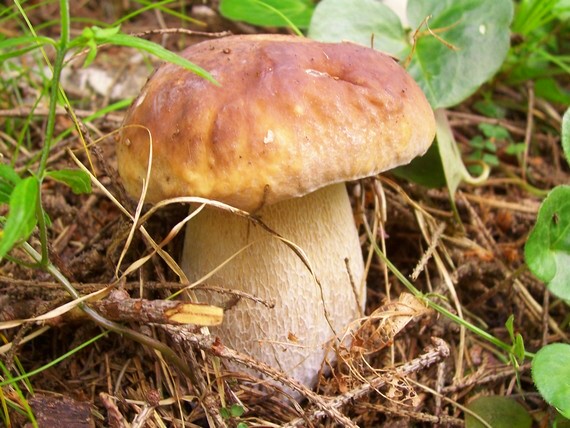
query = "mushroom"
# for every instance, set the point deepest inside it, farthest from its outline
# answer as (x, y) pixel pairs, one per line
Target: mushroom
(291, 121)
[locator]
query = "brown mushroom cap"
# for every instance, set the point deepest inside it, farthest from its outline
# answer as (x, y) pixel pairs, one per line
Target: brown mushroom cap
(291, 115)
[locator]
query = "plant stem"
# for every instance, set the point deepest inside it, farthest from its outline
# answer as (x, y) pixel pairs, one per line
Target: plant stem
(61, 50)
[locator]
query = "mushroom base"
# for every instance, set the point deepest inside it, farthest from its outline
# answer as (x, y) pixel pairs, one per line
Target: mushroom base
(298, 333)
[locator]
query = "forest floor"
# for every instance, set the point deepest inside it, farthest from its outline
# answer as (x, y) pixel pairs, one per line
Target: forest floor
(399, 374)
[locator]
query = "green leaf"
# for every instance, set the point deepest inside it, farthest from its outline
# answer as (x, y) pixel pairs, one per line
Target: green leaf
(8, 179)
(13, 42)
(494, 131)
(551, 375)
(237, 410)
(479, 32)
(358, 21)
(566, 134)
(515, 149)
(442, 164)
(498, 412)
(23, 44)
(426, 170)
(547, 250)
(510, 326)
(269, 13)
(518, 348)
(490, 109)
(549, 89)
(91, 53)
(79, 181)
(22, 215)
(99, 34)
(104, 34)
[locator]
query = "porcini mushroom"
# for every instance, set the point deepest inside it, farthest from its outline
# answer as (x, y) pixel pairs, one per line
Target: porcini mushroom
(290, 123)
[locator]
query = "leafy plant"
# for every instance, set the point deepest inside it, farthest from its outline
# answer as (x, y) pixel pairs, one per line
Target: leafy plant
(517, 353)
(451, 56)
(21, 187)
(547, 250)
(447, 55)
(234, 412)
(22, 192)
(547, 253)
(536, 54)
(497, 412)
(485, 146)
(550, 373)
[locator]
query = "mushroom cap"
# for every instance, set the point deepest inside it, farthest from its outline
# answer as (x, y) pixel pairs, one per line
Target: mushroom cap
(290, 115)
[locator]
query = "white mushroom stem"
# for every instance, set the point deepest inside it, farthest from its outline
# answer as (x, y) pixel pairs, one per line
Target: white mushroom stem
(295, 335)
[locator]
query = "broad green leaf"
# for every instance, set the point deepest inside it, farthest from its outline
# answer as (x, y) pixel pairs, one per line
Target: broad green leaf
(566, 134)
(359, 21)
(547, 250)
(426, 170)
(498, 412)
(8, 179)
(269, 13)
(77, 180)
(22, 215)
(466, 43)
(551, 375)
(479, 32)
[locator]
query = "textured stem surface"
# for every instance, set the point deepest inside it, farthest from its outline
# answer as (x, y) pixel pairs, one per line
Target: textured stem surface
(295, 335)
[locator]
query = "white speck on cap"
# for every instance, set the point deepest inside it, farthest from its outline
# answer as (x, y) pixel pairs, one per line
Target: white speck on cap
(269, 137)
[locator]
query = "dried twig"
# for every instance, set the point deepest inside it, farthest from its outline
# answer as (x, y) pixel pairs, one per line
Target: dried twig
(119, 306)
(212, 346)
(416, 416)
(162, 31)
(433, 355)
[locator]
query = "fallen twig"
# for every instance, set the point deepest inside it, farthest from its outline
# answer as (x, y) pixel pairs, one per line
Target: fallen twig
(211, 345)
(433, 355)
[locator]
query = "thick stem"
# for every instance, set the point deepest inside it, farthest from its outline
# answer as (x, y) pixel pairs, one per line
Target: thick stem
(295, 335)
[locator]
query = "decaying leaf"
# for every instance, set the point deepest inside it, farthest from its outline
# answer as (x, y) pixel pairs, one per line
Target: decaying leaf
(379, 329)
